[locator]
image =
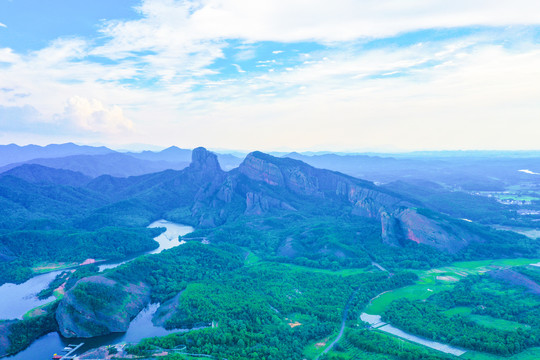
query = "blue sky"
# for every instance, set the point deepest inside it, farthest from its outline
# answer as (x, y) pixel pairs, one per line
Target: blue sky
(345, 75)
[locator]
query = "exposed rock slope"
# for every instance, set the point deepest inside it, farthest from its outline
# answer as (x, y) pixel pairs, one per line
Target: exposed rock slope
(99, 306)
(265, 183)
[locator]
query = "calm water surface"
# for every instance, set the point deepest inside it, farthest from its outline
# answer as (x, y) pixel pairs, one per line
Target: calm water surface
(141, 327)
(16, 300)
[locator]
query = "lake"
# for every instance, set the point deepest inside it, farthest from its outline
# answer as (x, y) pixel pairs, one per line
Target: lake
(141, 327)
(16, 300)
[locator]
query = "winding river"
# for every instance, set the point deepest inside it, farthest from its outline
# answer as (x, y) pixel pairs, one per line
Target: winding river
(19, 299)
(376, 323)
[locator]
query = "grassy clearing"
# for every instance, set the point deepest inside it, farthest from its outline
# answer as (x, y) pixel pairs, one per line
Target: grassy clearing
(48, 267)
(436, 280)
(494, 323)
(315, 349)
(533, 233)
(255, 260)
(461, 310)
(251, 259)
(343, 272)
(485, 320)
(517, 197)
(413, 292)
(473, 265)
(35, 312)
(529, 232)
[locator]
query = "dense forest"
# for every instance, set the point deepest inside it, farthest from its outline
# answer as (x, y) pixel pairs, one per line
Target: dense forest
(267, 310)
(30, 248)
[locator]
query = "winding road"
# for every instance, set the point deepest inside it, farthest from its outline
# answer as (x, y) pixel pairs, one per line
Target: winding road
(345, 313)
(343, 322)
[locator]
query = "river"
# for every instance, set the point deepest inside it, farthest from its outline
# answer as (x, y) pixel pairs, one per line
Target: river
(19, 299)
(376, 323)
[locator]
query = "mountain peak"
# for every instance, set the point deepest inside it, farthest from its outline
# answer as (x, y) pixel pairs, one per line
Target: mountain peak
(202, 159)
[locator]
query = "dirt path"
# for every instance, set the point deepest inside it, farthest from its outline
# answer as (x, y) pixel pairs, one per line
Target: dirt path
(376, 297)
(379, 266)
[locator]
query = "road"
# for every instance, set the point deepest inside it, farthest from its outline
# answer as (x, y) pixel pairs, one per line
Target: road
(379, 266)
(343, 322)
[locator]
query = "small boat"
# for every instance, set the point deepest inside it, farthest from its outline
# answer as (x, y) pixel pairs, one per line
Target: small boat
(56, 356)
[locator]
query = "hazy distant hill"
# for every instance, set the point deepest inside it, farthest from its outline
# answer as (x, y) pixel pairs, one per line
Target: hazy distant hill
(172, 154)
(175, 154)
(13, 153)
(115, 164)
(469, 170)
(96, 161)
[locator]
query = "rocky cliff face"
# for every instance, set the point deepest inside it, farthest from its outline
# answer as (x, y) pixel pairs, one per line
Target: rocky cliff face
(438, 234)
(302, 179)
(204, 161)
(263, 184)
(99, 306)
(258, 203)
(399, 218)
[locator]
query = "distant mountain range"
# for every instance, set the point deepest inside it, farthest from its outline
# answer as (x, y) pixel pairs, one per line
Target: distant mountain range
(468, 170)
(16, 154)
(96, 161)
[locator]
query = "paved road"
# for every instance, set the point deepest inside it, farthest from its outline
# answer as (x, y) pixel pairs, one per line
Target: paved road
(343, 322)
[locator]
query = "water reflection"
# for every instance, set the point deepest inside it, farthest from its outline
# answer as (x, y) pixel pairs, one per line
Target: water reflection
(141, 327)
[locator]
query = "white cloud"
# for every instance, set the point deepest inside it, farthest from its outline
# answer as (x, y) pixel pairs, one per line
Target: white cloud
(341, 20)
(92, 115)
(178, 39)
(8, 56)
(481, 97)
(460, 93)
(3, 25)
(238, 68)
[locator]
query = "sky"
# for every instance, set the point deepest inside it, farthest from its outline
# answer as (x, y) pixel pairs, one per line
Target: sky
(341, 75)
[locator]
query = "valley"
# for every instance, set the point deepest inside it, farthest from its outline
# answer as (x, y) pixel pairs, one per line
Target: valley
(276, 260)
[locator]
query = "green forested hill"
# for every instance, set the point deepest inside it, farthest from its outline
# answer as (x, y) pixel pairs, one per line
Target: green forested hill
(283, 209)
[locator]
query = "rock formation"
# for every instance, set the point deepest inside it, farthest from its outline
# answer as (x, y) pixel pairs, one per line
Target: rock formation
(99, 306)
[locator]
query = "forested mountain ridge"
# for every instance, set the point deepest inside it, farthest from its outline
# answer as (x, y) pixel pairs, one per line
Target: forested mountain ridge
(205, 196)
(263, 184)
(39, 174)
